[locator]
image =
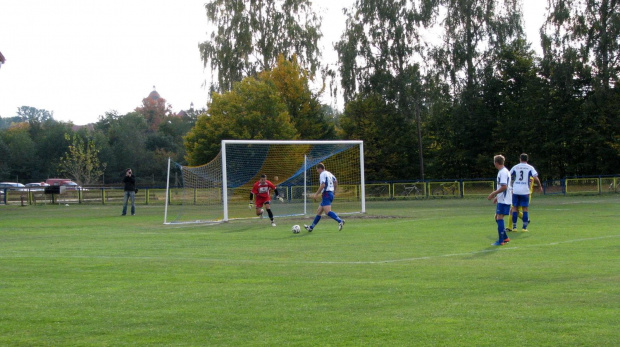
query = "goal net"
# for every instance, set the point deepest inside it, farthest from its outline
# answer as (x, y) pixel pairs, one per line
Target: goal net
(219, 190)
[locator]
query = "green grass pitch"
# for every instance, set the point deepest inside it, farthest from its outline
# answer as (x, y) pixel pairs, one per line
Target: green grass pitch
(408, 273)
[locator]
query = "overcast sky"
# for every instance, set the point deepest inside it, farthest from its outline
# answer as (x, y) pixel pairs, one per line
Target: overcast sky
(81, 58)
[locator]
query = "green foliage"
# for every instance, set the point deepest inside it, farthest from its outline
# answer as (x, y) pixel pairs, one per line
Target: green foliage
(304, 107)
(250, 35)
(22, 150)
(81, 162)
(387, 135)
(580, 43)
(252, 110)
(377, 56)
(34, 115)
(473, 29)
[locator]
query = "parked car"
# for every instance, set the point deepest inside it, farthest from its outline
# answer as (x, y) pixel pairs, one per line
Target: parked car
(12, 186)
(69, 184)
(72, 186)
(36, 186)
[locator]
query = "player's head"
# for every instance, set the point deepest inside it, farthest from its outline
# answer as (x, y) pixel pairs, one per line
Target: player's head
(128, 172)
(320, 167)
(499, 160)
(523, 157)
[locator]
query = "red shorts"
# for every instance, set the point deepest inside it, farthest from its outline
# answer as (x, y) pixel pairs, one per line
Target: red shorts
(259, 201)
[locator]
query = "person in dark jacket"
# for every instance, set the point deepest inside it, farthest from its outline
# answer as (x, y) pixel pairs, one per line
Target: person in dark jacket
(130, 192)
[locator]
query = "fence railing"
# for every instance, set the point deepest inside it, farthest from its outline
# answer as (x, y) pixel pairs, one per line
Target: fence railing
(389, 190)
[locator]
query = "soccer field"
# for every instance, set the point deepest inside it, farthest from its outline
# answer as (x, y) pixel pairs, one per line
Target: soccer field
(408, 273)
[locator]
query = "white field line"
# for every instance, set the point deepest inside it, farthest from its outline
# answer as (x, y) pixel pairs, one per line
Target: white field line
(386, 261)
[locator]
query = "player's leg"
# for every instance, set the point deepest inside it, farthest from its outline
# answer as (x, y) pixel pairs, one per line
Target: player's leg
(268, 208)
(317, 219)
(501, 211)
(515, 211)
(258, 203)
(327, 208)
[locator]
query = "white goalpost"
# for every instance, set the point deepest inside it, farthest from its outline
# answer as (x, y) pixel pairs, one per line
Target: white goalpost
(219, 191)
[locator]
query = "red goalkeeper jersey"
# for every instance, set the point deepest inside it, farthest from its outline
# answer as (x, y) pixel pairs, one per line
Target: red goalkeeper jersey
(263, 190)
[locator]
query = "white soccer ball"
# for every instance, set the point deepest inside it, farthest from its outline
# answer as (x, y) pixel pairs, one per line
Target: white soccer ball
(296, 229)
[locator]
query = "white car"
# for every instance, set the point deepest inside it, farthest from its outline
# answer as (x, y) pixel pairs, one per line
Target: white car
(12, 186)
(36, 186)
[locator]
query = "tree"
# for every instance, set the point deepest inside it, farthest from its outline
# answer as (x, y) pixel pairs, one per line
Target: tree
(22, 151)
(302, 104)
(590, 28)
(81, 162)
(33, 114)
(581, 61)
(387, 144)
(126, 135)
(252, 110)
(251, 34)
(377, 56)
(4, 153)
(50, 144)
(473, 30)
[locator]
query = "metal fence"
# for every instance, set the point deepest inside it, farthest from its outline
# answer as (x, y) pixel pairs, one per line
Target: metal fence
(389, 190)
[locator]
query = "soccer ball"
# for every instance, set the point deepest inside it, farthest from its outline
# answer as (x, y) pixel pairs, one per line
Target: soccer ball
(296, 229)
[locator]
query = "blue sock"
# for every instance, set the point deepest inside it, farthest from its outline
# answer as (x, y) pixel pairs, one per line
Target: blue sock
(315, 221)
(500, 230)
(334, 216)
(526, 218)
(515, 218)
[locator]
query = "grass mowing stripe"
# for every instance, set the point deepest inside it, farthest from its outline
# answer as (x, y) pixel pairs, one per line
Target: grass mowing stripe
(496, 249)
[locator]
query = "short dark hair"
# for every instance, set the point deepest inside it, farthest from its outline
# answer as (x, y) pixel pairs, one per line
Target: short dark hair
(499, 159)
(128, 170)
(263, 176)
(523, 157)
(320, 166)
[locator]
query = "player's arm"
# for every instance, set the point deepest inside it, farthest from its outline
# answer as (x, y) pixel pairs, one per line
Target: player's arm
(497, 192)
(539, 184)
(275, 190)
(318, 192)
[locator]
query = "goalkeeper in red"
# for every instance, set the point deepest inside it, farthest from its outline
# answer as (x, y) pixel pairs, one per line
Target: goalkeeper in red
(522, 174)
(262, 192)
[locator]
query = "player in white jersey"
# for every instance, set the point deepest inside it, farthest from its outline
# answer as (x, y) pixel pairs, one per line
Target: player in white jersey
(327, 188)
(501, 196)
(522, 174)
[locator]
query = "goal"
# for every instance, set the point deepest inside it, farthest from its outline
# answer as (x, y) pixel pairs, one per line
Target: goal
(219, 190)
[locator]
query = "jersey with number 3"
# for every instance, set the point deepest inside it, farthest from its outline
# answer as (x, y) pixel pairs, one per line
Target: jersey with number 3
(328, 178)
(522, 173)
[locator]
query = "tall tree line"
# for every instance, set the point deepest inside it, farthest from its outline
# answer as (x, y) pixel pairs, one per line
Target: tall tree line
(442, 107)
(435, 88)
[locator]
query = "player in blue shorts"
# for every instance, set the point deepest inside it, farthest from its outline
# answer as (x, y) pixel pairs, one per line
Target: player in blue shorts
(327, 189)
(502, 197)
(523, 173)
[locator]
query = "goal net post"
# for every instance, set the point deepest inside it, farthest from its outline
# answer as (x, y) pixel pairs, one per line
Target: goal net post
(219, 190)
